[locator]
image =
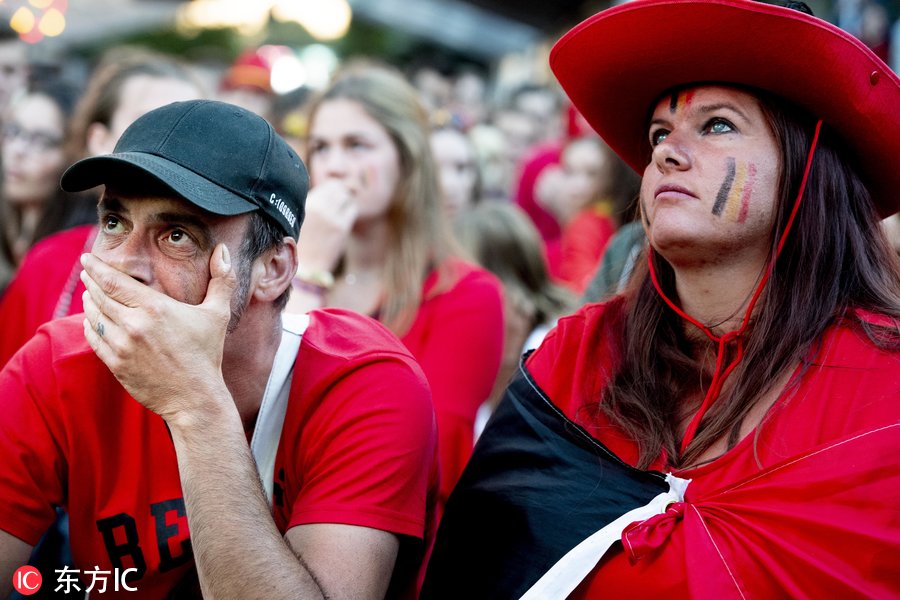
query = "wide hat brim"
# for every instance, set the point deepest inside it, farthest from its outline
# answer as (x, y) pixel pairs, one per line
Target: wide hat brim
(196, 189)
(616, 64)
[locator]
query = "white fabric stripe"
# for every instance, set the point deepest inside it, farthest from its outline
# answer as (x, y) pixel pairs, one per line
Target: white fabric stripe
(269, 422)
(571, 569)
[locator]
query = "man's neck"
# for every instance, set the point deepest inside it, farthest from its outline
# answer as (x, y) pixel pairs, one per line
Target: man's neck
(247, 362)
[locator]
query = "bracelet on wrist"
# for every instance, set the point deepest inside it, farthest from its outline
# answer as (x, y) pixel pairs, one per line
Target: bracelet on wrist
(315, 282)
(310, 288)
(320, 278)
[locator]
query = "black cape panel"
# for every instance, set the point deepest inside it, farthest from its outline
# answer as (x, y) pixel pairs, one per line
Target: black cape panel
(536, 486)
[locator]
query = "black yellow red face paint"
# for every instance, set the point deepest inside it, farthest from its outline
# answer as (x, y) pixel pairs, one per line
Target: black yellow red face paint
(680, 101)
(733, 199)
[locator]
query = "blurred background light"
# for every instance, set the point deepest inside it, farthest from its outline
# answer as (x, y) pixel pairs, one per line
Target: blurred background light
(36, 19)
(320, 62)
(288, 74)
(323, 19)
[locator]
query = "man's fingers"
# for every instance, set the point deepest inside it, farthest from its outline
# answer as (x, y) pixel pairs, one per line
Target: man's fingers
(104, 328)
(104, 303)
(114, 284)
(223, 279)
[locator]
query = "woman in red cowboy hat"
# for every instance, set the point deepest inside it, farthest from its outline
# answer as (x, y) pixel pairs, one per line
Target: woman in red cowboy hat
(730, 425)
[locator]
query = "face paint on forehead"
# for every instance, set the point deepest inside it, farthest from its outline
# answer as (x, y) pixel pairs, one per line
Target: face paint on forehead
(680, 101)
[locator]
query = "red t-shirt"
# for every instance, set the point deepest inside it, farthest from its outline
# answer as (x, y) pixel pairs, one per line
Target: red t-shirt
(584, 239)
(46, 286)
(358, 448)
(457, 339)
(804, 506)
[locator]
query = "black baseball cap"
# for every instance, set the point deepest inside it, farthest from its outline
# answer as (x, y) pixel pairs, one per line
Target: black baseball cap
(220, 157)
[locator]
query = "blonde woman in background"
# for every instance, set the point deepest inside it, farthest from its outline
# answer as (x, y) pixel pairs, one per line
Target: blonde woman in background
(375, 241)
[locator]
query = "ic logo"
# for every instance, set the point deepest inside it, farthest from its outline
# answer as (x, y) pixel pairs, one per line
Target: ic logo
(27, 580)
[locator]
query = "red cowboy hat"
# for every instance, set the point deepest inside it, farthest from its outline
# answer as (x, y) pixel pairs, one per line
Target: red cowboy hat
(617, 63)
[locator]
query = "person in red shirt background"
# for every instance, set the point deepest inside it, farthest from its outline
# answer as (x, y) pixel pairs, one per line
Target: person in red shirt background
(32, 148)
(595, 196)
(126, 84)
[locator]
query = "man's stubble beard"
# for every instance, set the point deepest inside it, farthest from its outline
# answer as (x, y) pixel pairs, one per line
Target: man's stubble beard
(240, 295)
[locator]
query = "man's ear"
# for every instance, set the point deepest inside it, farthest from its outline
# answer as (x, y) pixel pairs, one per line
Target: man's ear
(274, 270)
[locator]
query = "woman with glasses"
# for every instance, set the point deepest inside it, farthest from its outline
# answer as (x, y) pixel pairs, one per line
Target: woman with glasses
(125, 84)
(33, 157)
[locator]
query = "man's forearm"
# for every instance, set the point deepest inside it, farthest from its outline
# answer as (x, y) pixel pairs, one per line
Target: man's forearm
(14, 553)
(238, 549)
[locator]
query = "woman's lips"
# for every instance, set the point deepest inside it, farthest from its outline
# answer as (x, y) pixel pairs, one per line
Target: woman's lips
(674, 192)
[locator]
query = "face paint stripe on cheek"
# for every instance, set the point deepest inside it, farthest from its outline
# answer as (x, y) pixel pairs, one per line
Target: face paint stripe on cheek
(369, 176)
(748, 189)
(733, 204)
(722, 196)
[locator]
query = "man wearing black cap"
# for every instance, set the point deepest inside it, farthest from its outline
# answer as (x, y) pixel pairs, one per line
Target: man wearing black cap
(299, 450)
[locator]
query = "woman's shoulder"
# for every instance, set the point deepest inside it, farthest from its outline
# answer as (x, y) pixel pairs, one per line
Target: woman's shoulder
(859, 338)
(457, 277)
(878, 319)
(464, 270)
(579, 355)
(589, 321)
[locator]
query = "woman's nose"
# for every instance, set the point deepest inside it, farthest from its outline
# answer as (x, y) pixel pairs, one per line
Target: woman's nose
(672, 152)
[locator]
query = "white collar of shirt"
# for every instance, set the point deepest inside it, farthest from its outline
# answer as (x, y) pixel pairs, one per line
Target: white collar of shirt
(270, 420)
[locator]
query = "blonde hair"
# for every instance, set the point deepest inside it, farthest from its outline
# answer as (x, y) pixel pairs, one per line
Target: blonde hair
(419, 237)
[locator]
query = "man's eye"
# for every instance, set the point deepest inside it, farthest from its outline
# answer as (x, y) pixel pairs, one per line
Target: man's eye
(177, 236)
(111, 223)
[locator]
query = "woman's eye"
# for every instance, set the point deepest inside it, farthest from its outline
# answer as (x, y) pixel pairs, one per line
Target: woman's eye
(718, 126)
(657, 136)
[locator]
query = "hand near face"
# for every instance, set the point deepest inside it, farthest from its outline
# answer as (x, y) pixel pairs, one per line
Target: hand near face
(159, 348)
(331, 210)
